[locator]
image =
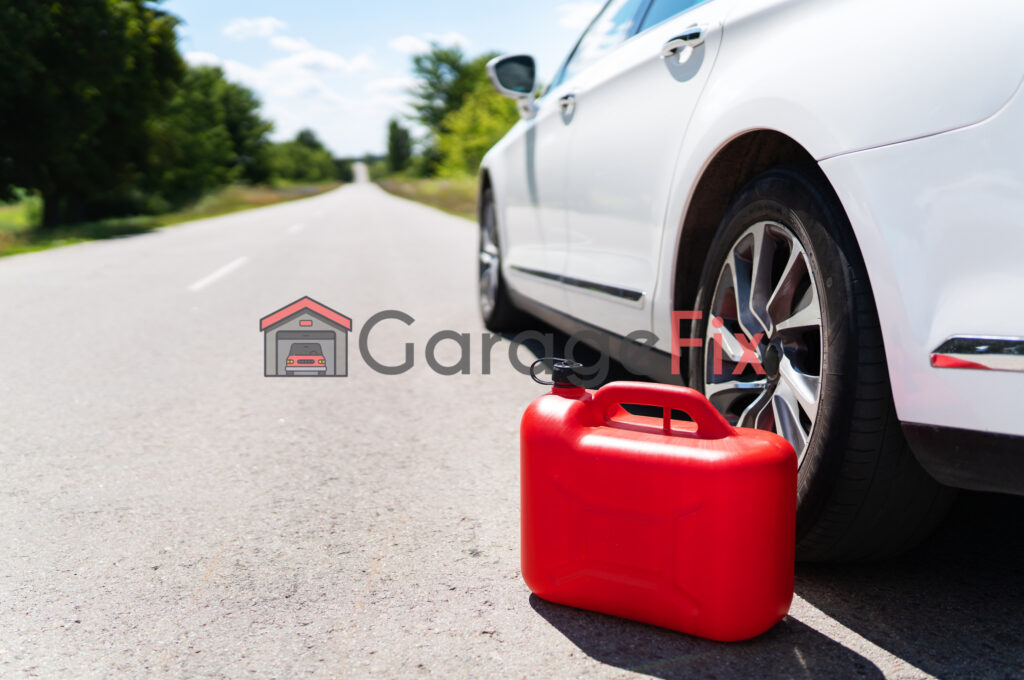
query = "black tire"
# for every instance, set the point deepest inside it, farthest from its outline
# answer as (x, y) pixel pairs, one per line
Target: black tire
(496, 308)
(861, 493)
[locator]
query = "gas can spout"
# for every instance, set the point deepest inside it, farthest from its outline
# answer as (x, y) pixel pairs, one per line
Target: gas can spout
(565, 380)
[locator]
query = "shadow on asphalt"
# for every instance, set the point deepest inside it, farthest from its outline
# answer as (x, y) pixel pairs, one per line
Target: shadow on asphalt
(789, 650)
(953, 607)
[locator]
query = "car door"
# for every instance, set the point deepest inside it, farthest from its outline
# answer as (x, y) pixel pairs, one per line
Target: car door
(632, 107)
(535, 208)
(534, 205)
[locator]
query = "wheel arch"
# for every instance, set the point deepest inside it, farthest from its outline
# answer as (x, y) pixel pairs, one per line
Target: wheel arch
(483, 184)
(728, 170)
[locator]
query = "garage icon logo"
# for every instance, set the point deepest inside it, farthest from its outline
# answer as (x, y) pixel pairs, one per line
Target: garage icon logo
(305, 338)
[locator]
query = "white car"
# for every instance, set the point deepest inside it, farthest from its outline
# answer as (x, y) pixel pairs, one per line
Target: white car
(827, 196)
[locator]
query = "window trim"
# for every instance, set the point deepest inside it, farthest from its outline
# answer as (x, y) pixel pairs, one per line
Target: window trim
(647, 10)
(638, 18)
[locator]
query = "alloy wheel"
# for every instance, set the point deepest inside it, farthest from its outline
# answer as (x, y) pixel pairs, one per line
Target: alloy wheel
(490, 261)
(763, 349)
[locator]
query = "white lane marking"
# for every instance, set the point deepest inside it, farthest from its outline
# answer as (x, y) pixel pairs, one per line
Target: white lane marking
(318, 213)
(220, 273)
(296, 228)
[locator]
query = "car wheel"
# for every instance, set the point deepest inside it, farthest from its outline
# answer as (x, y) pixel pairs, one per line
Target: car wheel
(496, 308)
(784, 283)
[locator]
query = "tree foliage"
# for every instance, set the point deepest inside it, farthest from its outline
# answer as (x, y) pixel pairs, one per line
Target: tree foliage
(303, 159)
(211, 134)
(399, 146)
(445, 78)
(81, 80)
(469, 131)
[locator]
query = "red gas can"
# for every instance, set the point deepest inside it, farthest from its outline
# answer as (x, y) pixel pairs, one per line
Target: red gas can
(689, 526)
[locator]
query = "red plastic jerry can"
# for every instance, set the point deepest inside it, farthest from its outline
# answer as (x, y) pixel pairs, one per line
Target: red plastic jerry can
(688, 526)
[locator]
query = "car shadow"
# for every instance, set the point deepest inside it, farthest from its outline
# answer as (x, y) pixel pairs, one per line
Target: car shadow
(951, 608)
(789, 650)
(954, 607)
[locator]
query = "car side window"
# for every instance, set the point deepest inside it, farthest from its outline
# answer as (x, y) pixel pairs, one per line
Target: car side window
(660, 10)
(613, 25)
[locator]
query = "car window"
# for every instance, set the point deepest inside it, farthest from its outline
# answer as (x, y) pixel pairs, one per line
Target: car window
(660, 10)
(613, 25)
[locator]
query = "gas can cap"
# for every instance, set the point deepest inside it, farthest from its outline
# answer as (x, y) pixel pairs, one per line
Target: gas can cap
(563, 372)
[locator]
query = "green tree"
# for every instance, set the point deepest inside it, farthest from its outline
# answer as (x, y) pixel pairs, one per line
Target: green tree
(81, 79)
(444, 79)
(343, 167)
(303, 159)
(211, 134)
(308, 139)
(399, 146)
(469, 131)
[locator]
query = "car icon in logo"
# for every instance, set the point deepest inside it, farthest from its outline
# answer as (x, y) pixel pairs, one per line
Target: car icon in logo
(305, 358)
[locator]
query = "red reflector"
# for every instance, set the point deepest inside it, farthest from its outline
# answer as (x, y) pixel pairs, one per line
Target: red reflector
(946, 361)
(306, 322)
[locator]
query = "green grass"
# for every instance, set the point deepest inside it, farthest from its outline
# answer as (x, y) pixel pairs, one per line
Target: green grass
(18, 233)
(455, 195)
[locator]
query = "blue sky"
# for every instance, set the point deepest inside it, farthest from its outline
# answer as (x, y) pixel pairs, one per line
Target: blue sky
(342, 68)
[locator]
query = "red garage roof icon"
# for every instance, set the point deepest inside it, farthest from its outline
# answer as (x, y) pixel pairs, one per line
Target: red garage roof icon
(302, 305)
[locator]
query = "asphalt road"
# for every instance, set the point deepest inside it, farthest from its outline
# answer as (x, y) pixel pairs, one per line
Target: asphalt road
(167, 511)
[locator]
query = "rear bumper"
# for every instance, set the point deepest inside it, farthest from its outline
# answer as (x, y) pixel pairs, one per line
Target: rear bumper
(940, 222)
(969, 459)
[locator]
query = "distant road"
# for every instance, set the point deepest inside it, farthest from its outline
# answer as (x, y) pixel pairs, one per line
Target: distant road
(169, 512)
(361, 172)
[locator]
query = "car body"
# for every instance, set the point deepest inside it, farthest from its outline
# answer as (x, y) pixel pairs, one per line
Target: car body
(609, 193)
(305, 358)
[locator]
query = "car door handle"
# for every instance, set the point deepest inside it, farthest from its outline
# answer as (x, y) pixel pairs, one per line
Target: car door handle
(568, 103)
(693, 37)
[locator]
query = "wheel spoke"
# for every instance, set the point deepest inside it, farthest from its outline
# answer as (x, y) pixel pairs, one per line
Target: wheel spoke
(732, 350)
(723, 395)
(781, 301)
(741, 273)
(753, 415)
(763, 249)
(804, 387)
(787, 417)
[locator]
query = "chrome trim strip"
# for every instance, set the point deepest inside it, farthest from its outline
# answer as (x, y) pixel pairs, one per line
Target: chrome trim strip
(614, 291)
(980, 353)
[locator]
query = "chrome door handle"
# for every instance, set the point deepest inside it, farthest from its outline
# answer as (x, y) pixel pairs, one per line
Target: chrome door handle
(568, 103)
(693, 37)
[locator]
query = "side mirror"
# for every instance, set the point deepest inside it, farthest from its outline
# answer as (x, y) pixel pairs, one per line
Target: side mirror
(515, 76)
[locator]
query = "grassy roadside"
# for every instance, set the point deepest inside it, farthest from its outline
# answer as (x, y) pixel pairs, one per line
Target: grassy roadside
(453, 195)
(17, 234)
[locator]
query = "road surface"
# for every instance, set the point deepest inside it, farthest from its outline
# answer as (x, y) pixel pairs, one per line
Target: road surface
(170, 512)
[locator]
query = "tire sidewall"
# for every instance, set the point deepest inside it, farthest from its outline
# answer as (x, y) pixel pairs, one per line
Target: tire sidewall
(789, 198)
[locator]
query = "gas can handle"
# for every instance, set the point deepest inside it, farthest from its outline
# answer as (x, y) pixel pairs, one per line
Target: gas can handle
(710, 423)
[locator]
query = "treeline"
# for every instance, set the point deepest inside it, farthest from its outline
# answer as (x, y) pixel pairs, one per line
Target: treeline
(100, 114)
(462, 115)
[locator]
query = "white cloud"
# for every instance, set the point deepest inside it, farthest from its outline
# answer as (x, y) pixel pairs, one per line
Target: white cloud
(290, 44)
(576, 16)
(310, 87)
(411, 44)
(390, 84)
(203, 59)
(261, 27)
